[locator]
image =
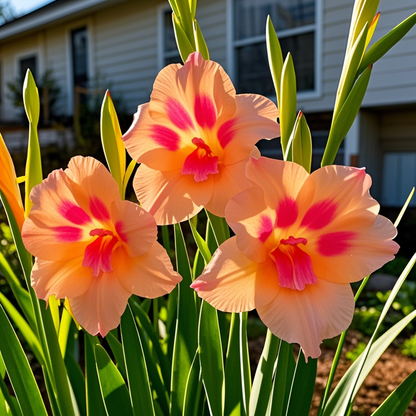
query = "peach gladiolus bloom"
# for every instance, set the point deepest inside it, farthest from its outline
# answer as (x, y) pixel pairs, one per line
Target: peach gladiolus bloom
(300, 240)
(93, 248)
(193, 140)
(8, 184)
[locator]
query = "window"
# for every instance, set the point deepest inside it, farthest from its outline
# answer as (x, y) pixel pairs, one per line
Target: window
(79, 46)
(169, 49)
(319, 124)
(399, 177)
(295, 23)
(28, 62)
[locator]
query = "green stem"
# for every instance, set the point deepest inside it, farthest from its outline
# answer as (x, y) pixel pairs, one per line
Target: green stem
(338, 355)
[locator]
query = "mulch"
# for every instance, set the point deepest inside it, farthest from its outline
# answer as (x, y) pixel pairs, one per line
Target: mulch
(392, 368)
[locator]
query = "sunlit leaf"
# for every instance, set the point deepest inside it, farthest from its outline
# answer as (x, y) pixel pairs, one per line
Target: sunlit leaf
(114, 150)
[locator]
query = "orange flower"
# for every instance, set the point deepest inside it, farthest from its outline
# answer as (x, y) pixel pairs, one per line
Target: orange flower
(194, 139)
(300, 240)
(8, 184)
(93, 248)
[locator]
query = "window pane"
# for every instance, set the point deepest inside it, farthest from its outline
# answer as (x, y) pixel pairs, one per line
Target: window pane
(290, 14)
(80, 56)
(253, 74)
(170, 50)
(25, 64)
(169, 34)
(250, 15)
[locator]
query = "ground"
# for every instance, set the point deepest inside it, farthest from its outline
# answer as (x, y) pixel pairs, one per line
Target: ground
(392, 368)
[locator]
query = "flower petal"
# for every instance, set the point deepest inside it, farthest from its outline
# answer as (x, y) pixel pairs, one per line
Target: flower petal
(94, 188)
(233, 283)
(170, 196)
(197, 86)
(156, 144)
(135, 227)
(99, 308)
(55, 218)
(228, 182)
(369, 249)
(252, 221)
(150, 275)
(279, 180)
(307, 317)
(336, 197)
(60, 278)
(254, 119)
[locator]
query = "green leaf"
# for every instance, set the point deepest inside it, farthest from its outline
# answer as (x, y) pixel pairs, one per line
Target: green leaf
(117, 350)
(404, 207)
(113, 146)
(146, 327)
(94, 399)
(363, 13)
(211, 358)
(201, 45)
(8, 403)
(19, 371)
(283, 379)
(185, 47)
(24, 256)
(287, 104)
(76, 378)
(339, 399)
(219, 227)
(302, 143)
(128, 174)
(275, 57)
(303, 384)
(21, 295)
(352, 61)
(113, 387)
(21, 324)
(383, 45)
(399, 400)
(31, 98)
(201, 244)
(263, 379)
(185, 18)
(193, 390)
(33, 171)
(54, 362)
(137, 375)
(237, 368)
(343, 121)
(186, 330)
(347, 388)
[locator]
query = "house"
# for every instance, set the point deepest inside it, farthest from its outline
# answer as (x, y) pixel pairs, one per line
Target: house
(123, 43)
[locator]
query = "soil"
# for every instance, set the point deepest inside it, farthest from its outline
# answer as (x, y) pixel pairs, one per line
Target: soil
(391, 369)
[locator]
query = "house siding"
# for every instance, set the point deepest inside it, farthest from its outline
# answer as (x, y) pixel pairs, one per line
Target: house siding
(125, 39)
(393, 79)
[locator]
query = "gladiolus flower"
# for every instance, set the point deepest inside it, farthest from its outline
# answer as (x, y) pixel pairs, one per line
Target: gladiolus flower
(300, 240)
(93, 248)
(8, 184)
(193, 140)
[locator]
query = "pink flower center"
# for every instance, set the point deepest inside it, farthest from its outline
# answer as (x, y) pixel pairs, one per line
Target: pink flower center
(97, 254)
(200, 162)
(293, 264)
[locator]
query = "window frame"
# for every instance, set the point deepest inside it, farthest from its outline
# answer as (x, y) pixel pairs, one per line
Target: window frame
(162, 54)
(232, 44)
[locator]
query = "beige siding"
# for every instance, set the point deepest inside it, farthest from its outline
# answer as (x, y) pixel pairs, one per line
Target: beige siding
(393, 80)
(56, 60)
(125, 50)
(10, 55)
